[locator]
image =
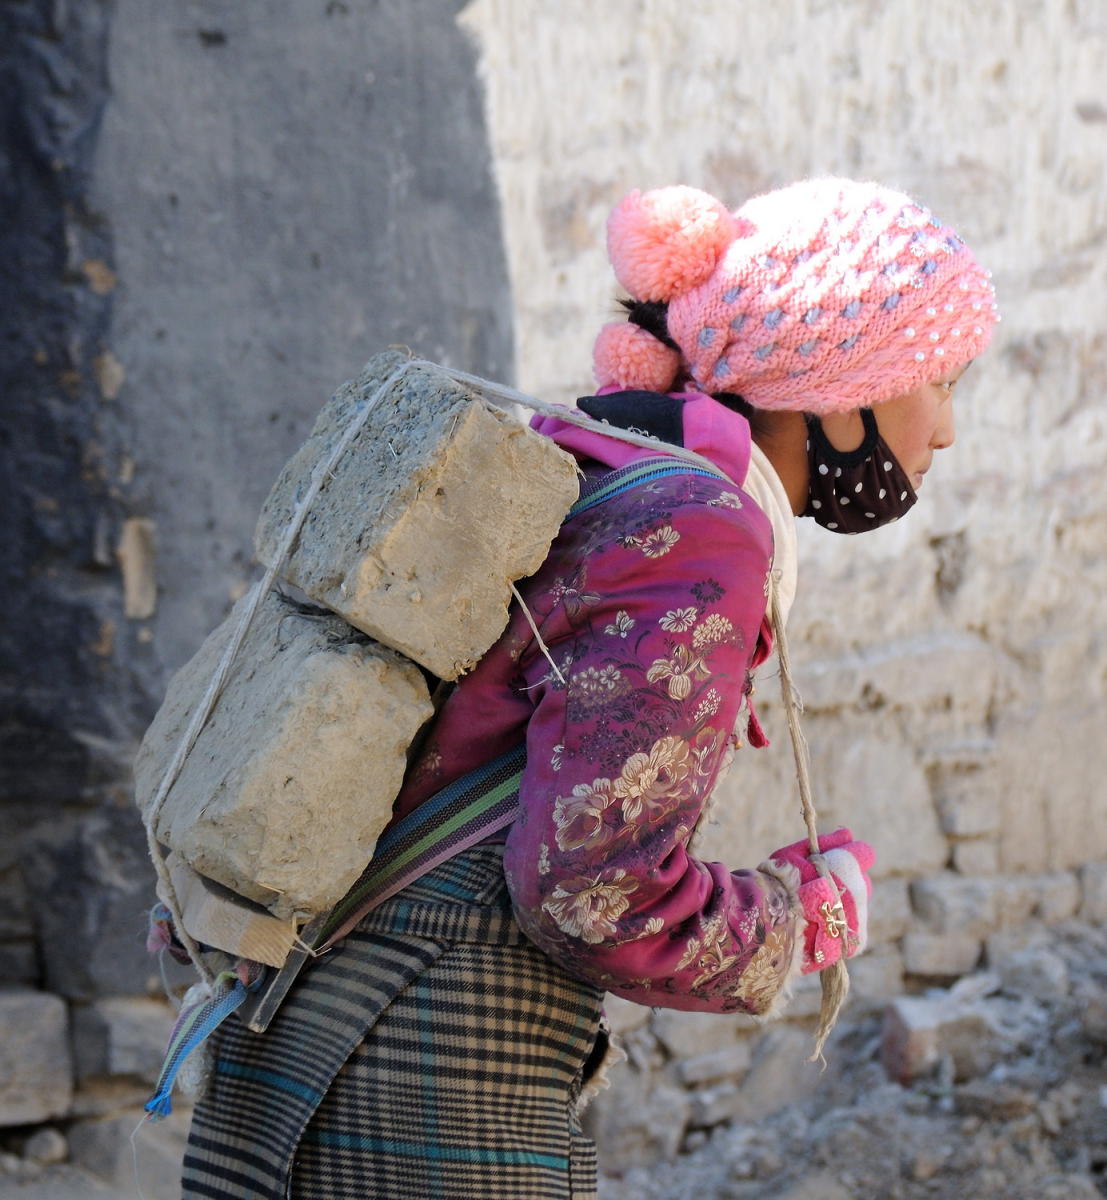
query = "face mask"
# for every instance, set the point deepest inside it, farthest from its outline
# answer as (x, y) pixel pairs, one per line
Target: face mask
(851, 491)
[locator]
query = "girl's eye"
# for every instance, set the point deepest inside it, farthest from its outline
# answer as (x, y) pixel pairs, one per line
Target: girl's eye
(947, 385)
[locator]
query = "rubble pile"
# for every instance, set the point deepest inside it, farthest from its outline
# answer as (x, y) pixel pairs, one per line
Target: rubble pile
(994, 1087)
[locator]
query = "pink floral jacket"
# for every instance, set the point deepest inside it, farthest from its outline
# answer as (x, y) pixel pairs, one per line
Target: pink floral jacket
(652, 605)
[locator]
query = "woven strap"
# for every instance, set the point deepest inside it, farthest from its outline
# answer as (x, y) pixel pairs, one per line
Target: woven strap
(195, 1023)
(462, 814)
(625, 478)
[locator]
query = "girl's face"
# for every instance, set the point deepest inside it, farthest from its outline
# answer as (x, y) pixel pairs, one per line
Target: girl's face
(918, 423)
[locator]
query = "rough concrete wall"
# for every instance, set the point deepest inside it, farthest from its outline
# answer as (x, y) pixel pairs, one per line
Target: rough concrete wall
(293, 187)
(212, 214)
(969, 641)
(954, 666)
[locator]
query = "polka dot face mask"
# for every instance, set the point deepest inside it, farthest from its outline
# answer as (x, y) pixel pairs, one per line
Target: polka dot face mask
(851, 491)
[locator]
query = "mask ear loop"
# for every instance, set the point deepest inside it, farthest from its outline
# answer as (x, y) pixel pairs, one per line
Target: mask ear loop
(844, 458)
(835, 978)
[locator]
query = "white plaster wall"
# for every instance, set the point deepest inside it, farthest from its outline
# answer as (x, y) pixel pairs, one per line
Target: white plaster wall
(954, 665)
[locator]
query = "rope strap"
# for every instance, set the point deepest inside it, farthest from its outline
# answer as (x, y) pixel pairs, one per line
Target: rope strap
(835, 978)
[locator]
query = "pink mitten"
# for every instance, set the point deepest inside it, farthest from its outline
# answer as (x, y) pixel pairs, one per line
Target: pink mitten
(828, 928)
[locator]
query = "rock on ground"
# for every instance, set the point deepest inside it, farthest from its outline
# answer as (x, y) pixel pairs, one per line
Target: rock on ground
(60, 1183)
(1031, 1124)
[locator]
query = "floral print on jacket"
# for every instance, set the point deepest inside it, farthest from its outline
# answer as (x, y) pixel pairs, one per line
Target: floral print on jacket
(651, 606)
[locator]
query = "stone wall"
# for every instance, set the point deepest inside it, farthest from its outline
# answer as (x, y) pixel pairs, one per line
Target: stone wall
(954, 666)
(212, 214)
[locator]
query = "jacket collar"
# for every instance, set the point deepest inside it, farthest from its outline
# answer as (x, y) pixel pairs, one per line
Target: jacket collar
(688, 419)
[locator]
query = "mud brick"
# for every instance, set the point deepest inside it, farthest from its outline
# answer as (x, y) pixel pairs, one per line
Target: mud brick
(439, 503)
(294, 774)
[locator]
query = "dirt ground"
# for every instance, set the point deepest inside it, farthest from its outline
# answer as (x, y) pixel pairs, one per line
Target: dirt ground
(1014, 1105)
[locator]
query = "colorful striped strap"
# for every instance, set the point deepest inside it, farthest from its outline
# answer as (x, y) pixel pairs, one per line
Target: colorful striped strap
(197, 1020)
(462, 814)
(637, 473)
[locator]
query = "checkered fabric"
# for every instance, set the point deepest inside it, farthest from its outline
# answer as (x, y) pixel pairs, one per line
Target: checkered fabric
(434, 1053)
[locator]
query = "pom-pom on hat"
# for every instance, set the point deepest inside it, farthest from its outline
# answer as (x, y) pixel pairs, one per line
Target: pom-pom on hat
(635, 358)
(823, 296)
(664, 242)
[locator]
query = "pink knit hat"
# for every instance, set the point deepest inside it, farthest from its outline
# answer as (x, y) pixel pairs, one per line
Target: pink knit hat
(823, 296)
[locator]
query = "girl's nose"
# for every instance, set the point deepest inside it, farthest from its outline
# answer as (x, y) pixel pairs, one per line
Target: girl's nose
(944, 431)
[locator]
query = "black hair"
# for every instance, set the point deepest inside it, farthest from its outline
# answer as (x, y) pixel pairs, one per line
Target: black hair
(652, 316)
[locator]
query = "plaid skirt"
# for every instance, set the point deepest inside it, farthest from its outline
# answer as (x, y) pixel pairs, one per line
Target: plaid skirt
(433, 1053)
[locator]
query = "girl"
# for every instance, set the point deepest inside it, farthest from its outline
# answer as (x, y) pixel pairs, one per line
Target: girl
(807, 346)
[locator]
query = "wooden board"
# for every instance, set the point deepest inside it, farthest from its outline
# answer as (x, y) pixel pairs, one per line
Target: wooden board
(215, 916)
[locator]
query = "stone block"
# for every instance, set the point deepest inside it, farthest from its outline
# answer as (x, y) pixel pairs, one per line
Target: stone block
(819, 1186)
(95, 885)
(637, 1125)
(46, 1147)
(806, 999)
(436, 506)
(918, 1031)
(1051, 787)
(949, 903)
(889, 911)
(994, 1100)
(1004, 943)
(36, 1074)
(940, 955)
(61, 1182)
(968, 803)
(875, 978)
(780, 1073)
(1016, 899)
(623, 1016)
(294, 775)
(1093, 892)
(711, 1106)
(690, 1034)
(977, 856)
(101, 1096)
(876, 785)
(1036, 971)
(121, 1036)
(936, 672)
(1056, 895)
(214, 916)
(729, 1063)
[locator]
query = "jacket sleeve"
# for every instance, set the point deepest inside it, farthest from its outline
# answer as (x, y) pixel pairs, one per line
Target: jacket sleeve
(652, 619)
